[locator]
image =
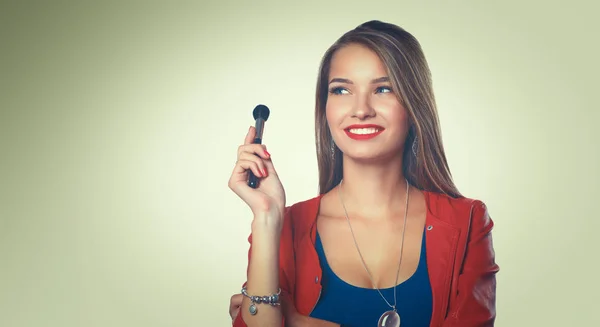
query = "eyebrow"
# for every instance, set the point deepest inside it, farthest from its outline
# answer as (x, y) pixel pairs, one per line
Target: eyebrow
(347, 81)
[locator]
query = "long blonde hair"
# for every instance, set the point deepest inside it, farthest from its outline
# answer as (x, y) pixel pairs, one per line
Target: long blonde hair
(410, 77)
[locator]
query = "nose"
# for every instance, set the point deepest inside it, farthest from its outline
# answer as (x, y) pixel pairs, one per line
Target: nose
(363, 108)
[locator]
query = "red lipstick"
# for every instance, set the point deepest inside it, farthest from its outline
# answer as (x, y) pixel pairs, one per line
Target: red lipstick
(365, 135)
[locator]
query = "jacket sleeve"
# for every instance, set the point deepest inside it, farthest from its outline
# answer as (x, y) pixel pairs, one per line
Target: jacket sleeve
(475, 301)
(286, 264)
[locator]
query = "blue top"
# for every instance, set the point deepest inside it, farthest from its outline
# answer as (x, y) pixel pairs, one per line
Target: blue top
(352, 306)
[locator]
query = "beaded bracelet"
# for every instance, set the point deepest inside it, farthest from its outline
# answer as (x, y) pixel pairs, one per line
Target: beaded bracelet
(268, 299)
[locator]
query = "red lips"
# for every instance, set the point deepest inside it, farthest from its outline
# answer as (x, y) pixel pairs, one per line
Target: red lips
(364, 136)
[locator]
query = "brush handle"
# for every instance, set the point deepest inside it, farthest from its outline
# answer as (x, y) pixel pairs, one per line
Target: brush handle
(252, 179)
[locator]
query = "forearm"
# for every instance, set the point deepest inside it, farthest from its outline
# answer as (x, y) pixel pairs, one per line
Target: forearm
(263, 274)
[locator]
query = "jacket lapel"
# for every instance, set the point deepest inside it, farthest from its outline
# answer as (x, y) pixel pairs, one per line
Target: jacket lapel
(442, 243)
(308, 268)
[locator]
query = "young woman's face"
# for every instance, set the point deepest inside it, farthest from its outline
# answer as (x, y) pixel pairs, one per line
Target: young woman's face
(366, 119)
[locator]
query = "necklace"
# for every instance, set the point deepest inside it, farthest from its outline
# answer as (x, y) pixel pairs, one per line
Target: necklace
(389, 318)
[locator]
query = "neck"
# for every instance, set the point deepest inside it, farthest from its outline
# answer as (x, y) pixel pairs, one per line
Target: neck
(374, 190)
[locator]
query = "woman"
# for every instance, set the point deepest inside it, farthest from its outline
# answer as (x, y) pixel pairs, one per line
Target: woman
(389, 240)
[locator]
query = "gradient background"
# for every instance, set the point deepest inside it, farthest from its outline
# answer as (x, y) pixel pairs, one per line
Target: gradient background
(120, 121)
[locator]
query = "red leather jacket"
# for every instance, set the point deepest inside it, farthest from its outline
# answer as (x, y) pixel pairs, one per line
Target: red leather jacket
(460, 260)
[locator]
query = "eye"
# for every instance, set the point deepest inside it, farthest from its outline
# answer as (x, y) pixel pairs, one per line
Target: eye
(337, 90)
(383, 89)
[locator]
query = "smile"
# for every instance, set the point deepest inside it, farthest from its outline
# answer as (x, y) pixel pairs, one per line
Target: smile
(363, 132)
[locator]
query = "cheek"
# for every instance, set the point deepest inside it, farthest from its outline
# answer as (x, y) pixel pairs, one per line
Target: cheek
(401, 116)
(335, 118)
(394, 112)
(334, 113)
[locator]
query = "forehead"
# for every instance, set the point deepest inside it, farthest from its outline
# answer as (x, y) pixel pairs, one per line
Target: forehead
(355, 62)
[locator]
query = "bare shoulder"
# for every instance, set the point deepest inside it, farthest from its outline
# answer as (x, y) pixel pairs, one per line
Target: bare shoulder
(418, 201)
(328, 205)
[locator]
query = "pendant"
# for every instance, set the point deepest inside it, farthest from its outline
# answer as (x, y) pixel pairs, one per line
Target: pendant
(389, 319)
(252, 309)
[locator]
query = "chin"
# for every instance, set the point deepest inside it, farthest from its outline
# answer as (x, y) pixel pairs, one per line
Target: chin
(370, 154)
(365, 156)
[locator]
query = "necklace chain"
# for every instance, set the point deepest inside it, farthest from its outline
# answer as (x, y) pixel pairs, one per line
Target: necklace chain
(360, 254)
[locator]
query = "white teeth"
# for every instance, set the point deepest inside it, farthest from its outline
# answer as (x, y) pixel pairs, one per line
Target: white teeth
(371, 130)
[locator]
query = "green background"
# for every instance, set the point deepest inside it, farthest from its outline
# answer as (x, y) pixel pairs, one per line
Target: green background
(119, 124)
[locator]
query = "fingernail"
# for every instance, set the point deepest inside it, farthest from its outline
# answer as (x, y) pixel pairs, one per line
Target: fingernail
(267, 153)
(264, 172)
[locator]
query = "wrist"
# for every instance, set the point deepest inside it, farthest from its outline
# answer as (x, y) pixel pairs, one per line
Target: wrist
(270, 222)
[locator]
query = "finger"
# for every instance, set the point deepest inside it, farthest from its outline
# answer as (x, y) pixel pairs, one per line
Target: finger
(237, 299)
(260, 163)
(234, 314)
(257, 149)
(243, 166)
(234, 305)
(233, 310)
(250, 135)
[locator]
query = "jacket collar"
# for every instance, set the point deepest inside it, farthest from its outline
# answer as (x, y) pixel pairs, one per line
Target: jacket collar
(305, 214)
